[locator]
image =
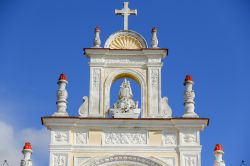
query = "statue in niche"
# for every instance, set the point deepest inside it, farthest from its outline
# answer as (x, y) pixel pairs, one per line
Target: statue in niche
(125, 106)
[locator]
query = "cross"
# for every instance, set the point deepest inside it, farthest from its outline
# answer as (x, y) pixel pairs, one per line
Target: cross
(125, 12)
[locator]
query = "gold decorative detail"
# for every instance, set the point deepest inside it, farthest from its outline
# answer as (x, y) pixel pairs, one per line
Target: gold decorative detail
(125, 42)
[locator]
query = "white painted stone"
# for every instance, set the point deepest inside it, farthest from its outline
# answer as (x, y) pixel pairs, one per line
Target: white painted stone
(125, 137)
(189, 96)
(144, 66)
(59, 159)
(26, 161)
(84, 108)
(62, 96)
(125, 106)
(125, 12)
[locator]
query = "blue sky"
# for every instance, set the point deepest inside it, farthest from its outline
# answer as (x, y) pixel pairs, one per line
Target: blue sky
(208, 39)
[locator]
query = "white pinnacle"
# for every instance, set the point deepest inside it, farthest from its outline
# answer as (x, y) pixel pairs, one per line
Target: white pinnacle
(189, 96)
(218, 153)
(62, 96)
(27, 151)
(125, 12)
(97, 40)
(154, 40)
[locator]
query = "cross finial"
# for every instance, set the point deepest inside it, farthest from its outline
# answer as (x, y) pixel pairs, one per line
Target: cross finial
(125, 12)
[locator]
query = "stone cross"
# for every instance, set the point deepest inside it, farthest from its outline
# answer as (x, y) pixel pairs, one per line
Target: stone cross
(125, 12)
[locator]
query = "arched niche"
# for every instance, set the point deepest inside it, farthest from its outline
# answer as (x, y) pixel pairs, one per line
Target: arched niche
(123, 73)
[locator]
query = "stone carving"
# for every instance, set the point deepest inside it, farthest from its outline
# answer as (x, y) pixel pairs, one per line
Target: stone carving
(154, 40)
(166, 111)
(97, 40)
(81, 138)
(61, 137)
(189, 96)
(190, 161)
(123, 159)
(62, 96)
(125, 138)
(96, 77)
(59, 160)
(83, 109)
(125, 12)
(170, 138)
(189, 138)
(125, 107)
(154, 77)
(125, 40)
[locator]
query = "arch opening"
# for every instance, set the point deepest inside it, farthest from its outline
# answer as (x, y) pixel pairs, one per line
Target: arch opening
(131, 75)
(130, 100)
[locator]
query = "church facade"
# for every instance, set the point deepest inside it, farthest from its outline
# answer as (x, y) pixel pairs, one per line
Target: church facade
(125, 133)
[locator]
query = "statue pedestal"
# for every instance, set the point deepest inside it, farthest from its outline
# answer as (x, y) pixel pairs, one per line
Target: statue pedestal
(118, 113)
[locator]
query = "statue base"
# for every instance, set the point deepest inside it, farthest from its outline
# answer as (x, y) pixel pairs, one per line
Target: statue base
(118, 113)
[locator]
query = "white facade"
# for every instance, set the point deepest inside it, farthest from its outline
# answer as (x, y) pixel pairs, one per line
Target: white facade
(153, 139)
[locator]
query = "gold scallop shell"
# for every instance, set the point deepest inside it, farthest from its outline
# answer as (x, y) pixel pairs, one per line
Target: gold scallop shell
(125, 42)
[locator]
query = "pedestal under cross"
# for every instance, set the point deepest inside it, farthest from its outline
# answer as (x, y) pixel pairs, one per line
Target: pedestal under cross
(125, 12)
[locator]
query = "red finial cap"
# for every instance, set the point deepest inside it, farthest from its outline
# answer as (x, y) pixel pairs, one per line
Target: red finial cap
(97, 28)
(63, 77)
(27, 146)
(188, 78)
(154, 29)
(218, 147)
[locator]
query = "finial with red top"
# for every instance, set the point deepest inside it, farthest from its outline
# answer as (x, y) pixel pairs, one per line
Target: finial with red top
(218, 147)
(62, 77)
(27, 151)
(97, 40)
(154, 40)
(97, 29)
(218, 153)
(62, 96)
(27, 146)
(189, 79)
(189, 96)
(154, 29)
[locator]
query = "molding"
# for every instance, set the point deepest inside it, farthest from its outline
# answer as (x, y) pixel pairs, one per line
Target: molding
(125, 159)
(102, 123)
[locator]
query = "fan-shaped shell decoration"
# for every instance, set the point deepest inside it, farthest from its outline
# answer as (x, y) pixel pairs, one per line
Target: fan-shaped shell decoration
(125, 42)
